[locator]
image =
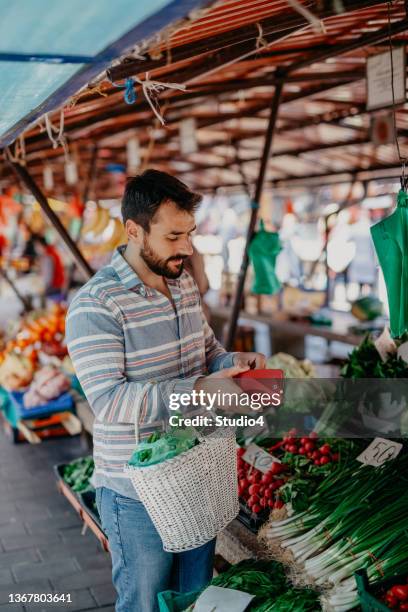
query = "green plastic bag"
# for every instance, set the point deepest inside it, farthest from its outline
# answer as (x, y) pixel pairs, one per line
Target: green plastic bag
(390, 238)
(162, 446)
(171, 601)
(263, 251)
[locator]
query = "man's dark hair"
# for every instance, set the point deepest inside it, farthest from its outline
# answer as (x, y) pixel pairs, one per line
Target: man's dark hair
(146, 192)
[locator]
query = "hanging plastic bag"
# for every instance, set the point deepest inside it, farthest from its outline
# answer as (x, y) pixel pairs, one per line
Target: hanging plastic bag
(262, 252)
(161, 446)
(390, 238)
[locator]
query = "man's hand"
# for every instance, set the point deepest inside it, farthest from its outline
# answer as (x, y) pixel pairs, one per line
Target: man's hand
(250, 360)
(222, 381)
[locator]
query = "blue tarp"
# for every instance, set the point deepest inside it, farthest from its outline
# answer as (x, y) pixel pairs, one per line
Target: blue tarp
(94, 30)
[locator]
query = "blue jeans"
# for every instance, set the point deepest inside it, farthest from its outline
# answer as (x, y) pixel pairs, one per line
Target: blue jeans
(140, 566)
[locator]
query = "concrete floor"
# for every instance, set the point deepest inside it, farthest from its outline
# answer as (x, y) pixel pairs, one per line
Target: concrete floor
(41, 546)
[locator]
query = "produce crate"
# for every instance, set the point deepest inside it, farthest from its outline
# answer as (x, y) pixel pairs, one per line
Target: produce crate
(367, 593)
(60, 404)
(171, 601)
(81, 506)
(252, 521)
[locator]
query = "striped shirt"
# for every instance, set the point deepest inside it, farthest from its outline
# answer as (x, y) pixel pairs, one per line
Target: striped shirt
(131, 349)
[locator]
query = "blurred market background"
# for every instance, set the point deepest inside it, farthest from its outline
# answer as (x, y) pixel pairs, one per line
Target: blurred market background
(290, 117)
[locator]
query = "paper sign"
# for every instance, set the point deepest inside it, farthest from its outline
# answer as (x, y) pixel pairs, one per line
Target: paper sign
(385, 344)
(259, 458)
(379, 90)
(379, 451)
(220, 599)
(403, 351)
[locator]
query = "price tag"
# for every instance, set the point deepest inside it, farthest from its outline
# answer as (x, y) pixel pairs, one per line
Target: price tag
(379, 451)
(385, 344)
(259, 458)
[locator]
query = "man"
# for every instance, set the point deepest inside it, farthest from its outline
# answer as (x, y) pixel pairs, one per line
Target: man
(136, 333)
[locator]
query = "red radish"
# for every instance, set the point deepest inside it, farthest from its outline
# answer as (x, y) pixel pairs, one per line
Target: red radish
(262, 490)
(268, 493)
(400, 591)
(243, 483)
(391, 600)
(254, 499)
(317, 462)
(324, 460)
(335, 456)
(313, 435)
(302, 450)
(254, 489)
(263, 502)
(267, 478)
(274, 486)
(241, 474)
(241, 451)
(276, 468)
(271, 503)
(325, 449)
(316, 455)
(291, 441)
(304, 441)
(309, 446)
(278, 504)
(403, 606)
(256, 508)
(309, 455)
(293, 448)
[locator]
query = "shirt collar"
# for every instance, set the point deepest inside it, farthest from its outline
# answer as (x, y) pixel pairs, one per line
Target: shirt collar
(127, 275)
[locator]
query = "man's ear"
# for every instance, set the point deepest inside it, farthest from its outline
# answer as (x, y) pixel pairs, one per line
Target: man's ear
(134, 231)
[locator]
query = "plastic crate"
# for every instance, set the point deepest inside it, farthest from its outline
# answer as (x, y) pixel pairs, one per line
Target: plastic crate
(367, 592)
(252, 521)
(171, 601)
(60, 404)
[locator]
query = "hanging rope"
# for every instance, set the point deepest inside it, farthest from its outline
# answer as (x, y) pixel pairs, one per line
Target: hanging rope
(150, 89)
(19, 154)
(403, 160)
(316, 23)
(260, 42)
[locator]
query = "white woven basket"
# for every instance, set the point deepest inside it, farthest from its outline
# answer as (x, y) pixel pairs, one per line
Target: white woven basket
(192, 497)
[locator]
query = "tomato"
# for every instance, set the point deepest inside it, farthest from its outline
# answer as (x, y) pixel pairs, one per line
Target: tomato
(400, 591)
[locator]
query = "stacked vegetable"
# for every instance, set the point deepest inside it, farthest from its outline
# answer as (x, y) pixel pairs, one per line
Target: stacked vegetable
(302, 463)
(357, 519)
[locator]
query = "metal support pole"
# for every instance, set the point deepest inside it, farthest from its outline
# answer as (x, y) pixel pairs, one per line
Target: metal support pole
(26, 302)
(73, 250)
(85, 196)
(254, 214)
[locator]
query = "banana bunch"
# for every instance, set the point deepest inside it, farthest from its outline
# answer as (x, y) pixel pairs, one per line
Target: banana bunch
(98, 221)
(118, 237)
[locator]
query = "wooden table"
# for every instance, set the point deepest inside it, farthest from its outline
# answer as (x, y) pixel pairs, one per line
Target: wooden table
(288, 335)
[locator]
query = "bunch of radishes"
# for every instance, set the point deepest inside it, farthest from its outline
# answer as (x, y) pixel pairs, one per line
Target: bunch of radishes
(396, 598)
(308, 446)
(258, 490)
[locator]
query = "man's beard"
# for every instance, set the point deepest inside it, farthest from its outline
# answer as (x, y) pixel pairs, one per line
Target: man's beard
(160, 266)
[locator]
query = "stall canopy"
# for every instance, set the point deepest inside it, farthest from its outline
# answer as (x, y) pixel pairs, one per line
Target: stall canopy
(219, 70)
(51, 48)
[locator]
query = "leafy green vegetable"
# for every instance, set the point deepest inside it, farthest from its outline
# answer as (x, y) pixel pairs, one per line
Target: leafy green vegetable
(161, 446)
(77, 474)
(365, 362)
